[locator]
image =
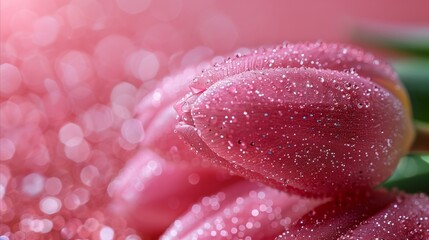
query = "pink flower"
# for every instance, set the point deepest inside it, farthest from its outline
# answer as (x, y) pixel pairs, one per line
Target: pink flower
(250, 210)
(315, 119)
(319, 108)
(241, 211)
(151, 192)
(376, 215)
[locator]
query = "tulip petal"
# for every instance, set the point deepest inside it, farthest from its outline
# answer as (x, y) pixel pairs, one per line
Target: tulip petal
(161, 138)
(320, 119)
(158, 118)
(378, 215)
(305, 128)
(406, 218)
(335, 218)
(242, 210)
(190, 135)
(318, 55)
(151, 192)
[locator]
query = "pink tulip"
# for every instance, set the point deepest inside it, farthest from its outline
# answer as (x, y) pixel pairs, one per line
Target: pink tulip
(158, 118)
(242, 211)
(314, 119)
(72, 72)
(151, 192)
(378, 215)
(405, 218)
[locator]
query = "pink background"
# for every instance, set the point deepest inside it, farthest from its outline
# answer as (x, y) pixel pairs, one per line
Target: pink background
(172, 27)
(76, 69)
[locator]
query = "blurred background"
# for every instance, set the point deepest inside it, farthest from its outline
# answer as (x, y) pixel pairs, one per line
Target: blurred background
(171, 28)
(73, 70)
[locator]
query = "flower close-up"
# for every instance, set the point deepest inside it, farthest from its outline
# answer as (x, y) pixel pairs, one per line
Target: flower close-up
(317, 119)
(207, 119)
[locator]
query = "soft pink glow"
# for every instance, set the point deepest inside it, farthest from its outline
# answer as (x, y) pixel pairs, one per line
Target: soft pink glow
(87, 89)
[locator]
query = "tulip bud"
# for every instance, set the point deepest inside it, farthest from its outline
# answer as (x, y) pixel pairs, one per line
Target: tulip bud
(315, 119)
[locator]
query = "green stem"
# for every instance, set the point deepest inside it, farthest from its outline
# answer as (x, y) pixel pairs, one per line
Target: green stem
(421, 143)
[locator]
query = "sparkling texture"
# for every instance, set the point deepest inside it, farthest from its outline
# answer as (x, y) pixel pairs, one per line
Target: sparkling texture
(378, 215)
(230, 214)
(315, 119)
(88, 148)
(151, 185)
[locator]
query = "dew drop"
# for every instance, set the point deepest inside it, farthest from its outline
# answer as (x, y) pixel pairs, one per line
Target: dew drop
(367, 104)
(186, 107)
(196, 89)
(360, 105)
(232, 89)
(213, 120)
(348, 85)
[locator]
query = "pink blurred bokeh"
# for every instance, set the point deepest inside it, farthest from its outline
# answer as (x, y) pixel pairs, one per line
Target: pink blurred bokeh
(73, 71)
(171, 28)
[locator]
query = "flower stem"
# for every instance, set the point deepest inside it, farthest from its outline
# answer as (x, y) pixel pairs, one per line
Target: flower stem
(421, 143)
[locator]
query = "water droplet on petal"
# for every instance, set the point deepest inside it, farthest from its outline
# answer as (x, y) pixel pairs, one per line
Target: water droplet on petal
(360, 105)
(213, 119)
(232, 90)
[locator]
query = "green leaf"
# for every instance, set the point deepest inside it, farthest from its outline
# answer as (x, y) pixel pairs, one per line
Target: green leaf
(414, 73)
(410, 39)
(414, 184)
(411, 175)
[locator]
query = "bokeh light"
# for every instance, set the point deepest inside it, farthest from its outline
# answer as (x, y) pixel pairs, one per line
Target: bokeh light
(73, 72)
